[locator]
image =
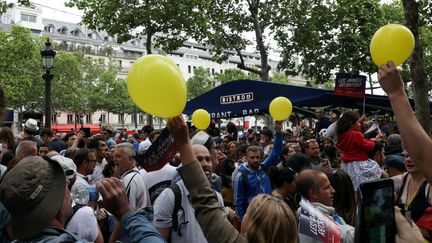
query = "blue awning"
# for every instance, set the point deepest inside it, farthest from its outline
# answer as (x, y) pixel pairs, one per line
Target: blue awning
(251, 97)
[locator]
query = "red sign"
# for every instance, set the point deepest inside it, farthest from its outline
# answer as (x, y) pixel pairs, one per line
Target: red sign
(352, 85)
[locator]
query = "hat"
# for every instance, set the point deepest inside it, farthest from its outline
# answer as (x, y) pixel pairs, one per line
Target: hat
(203, 139)
(395, 161)
(68, 165)
(33, 193)
(31, 125)
(394, 144)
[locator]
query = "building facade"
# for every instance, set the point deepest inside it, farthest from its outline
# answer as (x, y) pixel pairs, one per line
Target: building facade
(77, 37)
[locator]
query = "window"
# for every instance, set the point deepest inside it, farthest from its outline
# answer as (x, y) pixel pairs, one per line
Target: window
(28, 18)
(221, 71)
(213, 71)
(62, 30)
(120, 118)
(75, 32)
(102, 118)
(119, 62)
(50, 28)
(88, 119)
(69, 118)
(190, 56)
(134, 118)
(141, 119)
(54, 118)
(189, 69)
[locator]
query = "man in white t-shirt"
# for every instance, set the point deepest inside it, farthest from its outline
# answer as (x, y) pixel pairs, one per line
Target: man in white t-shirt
(132, 180)
(156, 181)
(145, 145)
(188, 229)
(99, 146)
(85, 160)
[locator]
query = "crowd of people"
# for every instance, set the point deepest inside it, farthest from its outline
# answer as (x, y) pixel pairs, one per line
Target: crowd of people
(223, 185)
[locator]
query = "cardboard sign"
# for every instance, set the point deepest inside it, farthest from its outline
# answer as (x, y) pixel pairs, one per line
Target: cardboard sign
(314, 225)
(348, 84)
(159, 153)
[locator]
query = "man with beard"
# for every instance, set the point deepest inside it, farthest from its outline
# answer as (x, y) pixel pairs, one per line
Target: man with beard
(330, 152)
(251, 179)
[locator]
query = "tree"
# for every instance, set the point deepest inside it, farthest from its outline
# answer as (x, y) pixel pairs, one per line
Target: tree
(231, 74)
(161, 23)
(415, 20)
(330, 36)
(279, 77)
(199, 83)
(227, 21)
(4, 5)
(21, 67)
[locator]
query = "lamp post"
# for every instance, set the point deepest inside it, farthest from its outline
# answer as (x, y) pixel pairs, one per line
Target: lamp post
(48, 55)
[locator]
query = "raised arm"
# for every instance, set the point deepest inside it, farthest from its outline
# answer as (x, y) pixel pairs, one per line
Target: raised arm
(415, 139)
(273, 158)
(207, 212)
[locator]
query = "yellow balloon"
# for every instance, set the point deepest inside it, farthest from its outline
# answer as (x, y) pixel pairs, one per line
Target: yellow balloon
(201, 119)
(156, 86)
(392, 42)
(280, 108)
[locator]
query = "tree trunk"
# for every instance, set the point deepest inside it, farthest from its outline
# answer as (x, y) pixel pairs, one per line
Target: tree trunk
(149, 51)
(265, 68)
(418, 74)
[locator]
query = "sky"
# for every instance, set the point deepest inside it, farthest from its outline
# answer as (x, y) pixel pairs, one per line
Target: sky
(55, 9)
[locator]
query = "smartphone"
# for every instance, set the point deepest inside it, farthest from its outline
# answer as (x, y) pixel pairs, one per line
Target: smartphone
(375, 221)
(86, 131)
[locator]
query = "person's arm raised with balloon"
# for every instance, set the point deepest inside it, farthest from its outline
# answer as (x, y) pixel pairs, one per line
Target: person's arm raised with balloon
(410, 129)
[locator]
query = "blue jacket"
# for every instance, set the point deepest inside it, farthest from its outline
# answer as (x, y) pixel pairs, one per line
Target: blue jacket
(258, 182)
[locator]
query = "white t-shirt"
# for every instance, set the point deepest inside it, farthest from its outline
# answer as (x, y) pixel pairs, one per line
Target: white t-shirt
(143, 146)
(135, 188)
(97, 172)
(156, 181)
(189, 227)
(79, 181)
(84, 224)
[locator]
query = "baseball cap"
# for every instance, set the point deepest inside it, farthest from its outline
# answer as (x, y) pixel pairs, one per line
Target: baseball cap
(394, 144)
(395, 161)
(33, 193)
(203, 139)
(69, 167)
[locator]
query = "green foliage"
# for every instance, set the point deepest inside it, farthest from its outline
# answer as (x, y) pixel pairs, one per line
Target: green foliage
(199, 83)
(329, 36)
(227, 21)
(168, 18)
(4, 5)
(230, 74)
(21, 67)
(279, 77)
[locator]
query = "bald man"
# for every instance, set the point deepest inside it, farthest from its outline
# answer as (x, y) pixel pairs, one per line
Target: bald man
(188, 229)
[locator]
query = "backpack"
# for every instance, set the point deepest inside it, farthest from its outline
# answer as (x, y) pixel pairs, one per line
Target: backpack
(177, 206)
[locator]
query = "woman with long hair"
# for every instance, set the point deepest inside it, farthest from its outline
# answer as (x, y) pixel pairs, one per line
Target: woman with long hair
(344, 197)
(355, 149)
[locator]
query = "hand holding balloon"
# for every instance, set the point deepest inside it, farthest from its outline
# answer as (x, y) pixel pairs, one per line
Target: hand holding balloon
(156, 86)
(392, 42)
(280, 108)
(201, 119)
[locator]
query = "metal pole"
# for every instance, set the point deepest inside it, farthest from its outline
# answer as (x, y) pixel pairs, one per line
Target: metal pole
(48, 77)
(136, 119)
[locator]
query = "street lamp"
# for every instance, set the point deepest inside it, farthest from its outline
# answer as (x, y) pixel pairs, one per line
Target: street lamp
(48, 55)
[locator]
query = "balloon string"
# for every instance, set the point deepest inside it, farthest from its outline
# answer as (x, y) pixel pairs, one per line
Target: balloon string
(364, 104)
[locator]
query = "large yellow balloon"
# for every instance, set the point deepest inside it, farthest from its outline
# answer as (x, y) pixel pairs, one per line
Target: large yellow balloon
(392, 42)
(201, 119)
(157, 87)
(280, 108)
